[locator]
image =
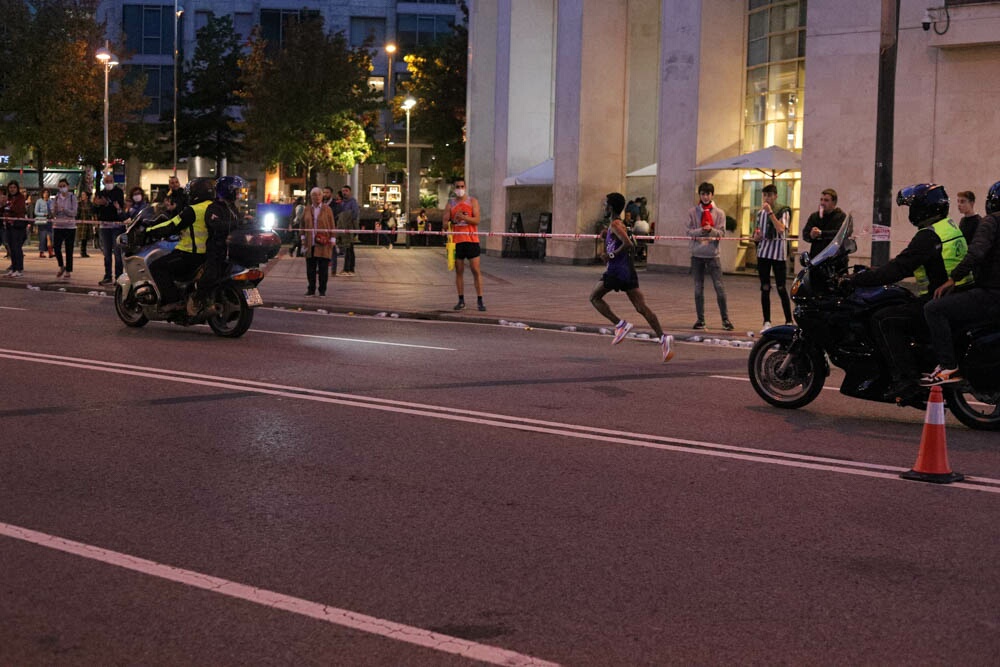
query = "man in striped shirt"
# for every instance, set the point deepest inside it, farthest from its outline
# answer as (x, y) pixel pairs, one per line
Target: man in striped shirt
(770, 231)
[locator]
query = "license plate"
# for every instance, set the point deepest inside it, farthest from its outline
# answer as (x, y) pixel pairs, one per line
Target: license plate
(253, 297)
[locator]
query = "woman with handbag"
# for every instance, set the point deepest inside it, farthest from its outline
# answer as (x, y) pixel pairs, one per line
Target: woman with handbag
(317, 241)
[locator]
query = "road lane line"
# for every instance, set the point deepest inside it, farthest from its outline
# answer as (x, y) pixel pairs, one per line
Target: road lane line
(11, 308)
(743, 379)
(333, 615)
(352, 340)
(650, 441)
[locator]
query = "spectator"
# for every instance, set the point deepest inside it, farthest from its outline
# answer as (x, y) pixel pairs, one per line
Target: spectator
(317, 239)
(64, 210)
(334, 201)
(769, 232)
(84, 226)
(109, 207)
(43, 216)
(177, 192)
(17, 228)
(966, 201)
(422, 225)
(706, 225)
(822, 225)
(462, 216)
(3, 224)
(296, 230)
(350, 219)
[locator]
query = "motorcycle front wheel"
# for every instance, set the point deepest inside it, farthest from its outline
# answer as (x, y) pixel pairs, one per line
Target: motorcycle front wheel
(232, 315)
(976, 410)
(129, 311)
(793, 386)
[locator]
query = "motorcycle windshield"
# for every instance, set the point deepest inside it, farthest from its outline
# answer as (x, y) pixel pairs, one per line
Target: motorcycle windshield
(838, 242)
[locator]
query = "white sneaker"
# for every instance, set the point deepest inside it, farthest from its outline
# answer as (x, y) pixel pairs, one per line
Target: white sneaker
(621, 330)
(767, 325)
(666, 343)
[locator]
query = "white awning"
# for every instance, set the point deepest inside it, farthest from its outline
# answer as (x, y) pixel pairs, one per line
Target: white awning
(649, 170)
(540, 174)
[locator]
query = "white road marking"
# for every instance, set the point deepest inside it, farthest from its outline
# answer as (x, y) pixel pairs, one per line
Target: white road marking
(746, 379)
(321, 612)
(352, 340)
(650, 441)
(11, 308)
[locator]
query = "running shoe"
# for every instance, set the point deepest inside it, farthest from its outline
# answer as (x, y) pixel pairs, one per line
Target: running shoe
(727, 325)
(700, 324)
(666, 345)
(482, 307)
(767, 325)
(941, 376)
(459, 306)
(621, 330)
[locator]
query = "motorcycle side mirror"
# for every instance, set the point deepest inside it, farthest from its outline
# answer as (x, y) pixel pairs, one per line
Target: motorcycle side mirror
(804, 259)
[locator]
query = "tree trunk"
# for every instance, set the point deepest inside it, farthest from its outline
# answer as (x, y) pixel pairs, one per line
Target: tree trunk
(40, 161)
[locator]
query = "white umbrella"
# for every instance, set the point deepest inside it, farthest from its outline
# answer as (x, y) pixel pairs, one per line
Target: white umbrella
(772, 161)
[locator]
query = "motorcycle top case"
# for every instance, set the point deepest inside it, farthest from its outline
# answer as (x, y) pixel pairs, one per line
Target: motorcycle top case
(981, 365)
(252, 247)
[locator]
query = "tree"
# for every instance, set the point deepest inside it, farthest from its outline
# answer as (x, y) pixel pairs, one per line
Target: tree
(438, 81)
(207, 124)
(306, 105)
(52, 88)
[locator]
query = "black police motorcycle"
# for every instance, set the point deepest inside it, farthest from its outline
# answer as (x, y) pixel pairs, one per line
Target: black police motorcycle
(228, 308)
(789, 364)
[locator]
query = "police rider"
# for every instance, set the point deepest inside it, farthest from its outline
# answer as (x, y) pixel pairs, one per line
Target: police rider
(222, 216)
(189, 254)
(962, 308)
(934, 252)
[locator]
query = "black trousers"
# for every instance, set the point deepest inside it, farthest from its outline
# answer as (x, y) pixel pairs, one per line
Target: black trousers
(317, 266)
(349, 258)
(64, 238)
(765, 267)
(177, 265)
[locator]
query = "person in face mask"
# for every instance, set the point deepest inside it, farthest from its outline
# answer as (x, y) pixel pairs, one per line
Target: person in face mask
(462, 216)
(109, 208)
(64, 208)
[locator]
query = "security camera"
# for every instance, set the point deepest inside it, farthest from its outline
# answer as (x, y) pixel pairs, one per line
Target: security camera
(927, 20)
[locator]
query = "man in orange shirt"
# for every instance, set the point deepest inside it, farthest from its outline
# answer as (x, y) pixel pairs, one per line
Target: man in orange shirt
(462, 213)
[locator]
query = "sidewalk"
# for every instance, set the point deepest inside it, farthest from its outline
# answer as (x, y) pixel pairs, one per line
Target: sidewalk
(414, 283)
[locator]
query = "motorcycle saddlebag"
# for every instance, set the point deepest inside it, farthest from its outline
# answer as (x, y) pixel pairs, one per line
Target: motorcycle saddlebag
(981, 365)
(252, 247)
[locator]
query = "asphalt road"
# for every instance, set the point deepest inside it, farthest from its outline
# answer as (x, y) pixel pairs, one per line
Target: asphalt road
(366, 491)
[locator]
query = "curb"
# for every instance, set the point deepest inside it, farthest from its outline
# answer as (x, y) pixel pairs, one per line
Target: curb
(367, 311)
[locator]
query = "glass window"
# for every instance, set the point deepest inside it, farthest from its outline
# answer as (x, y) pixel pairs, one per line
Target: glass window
(367, 27)
(159, 89)
(274, 23)
(419, 29)
(149, 29)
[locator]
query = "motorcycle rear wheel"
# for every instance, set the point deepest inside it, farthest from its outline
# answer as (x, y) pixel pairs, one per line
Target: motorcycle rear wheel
(233, 316)
(976, 410)
(798, 385)
(128, 310)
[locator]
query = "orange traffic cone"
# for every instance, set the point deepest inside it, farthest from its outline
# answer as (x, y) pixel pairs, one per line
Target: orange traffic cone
(932, 461)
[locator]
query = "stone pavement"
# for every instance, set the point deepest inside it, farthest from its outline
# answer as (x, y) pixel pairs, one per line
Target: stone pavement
(414, 283)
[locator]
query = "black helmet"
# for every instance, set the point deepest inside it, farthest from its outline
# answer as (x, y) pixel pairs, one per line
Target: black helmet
(199, 190)
(928, 202)
(227, 187)
(993, 199)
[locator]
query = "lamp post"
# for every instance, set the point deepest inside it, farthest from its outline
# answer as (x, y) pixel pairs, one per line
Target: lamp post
(107, 59)
(390, 49)
(177, 17)
(408, 104)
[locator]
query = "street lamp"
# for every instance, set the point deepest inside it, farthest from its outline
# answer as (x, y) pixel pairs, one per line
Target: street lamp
(177, 17)
(408, 104)
(390, 49)
(107, 59)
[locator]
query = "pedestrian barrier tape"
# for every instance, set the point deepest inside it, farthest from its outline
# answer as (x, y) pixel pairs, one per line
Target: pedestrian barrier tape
(524, 235)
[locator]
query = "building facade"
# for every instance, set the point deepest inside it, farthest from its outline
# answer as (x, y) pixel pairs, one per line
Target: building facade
(146, 29)
(599, 89)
